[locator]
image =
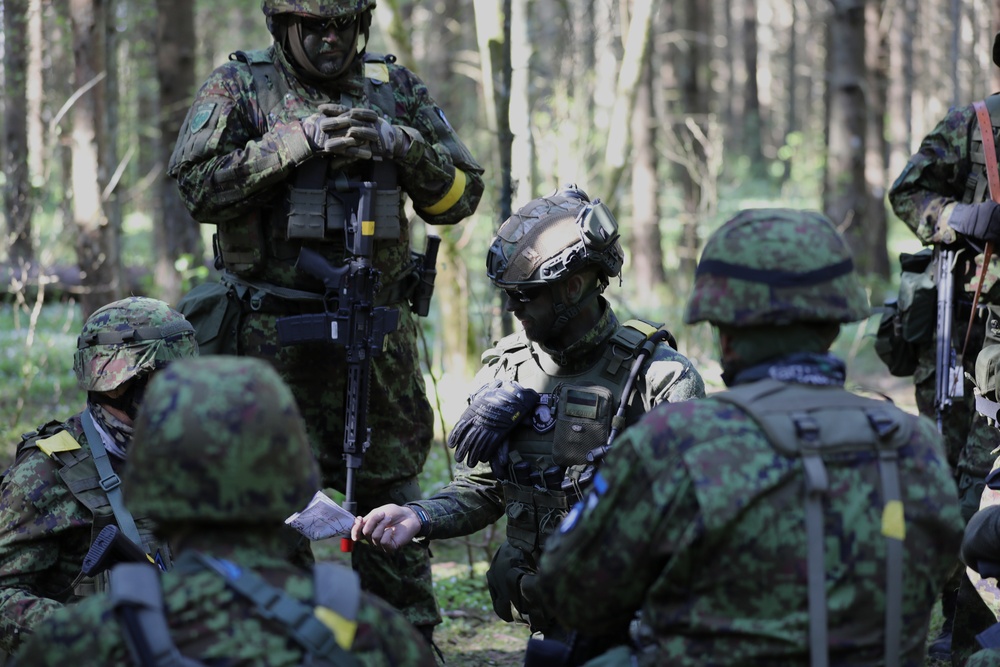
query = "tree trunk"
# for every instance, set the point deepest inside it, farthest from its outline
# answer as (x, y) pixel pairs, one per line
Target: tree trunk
(643, 236)
(175, 232)
(493, 31)
(97, 241)
(523, 149)
(36, 128)
(901, 86)
(876, 162)
(845, 195)
(17, 185)
(751, 112)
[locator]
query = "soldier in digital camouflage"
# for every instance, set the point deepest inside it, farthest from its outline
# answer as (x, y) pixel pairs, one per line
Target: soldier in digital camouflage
(220, 459)
(273, 153)
(783, 521)
(546, 397)
(942, 195)
(62, 488)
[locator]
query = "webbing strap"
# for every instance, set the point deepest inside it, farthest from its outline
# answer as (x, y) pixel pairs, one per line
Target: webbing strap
(275, 604)
(137, 600)
(816, 486)
(993, 178)
(889, 471)
(110, 481)
(987, 408)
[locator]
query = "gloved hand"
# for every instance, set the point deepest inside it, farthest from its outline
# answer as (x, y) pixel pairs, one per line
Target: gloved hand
(382, 137)
(495, 409)
(331, 131)
(978, 221)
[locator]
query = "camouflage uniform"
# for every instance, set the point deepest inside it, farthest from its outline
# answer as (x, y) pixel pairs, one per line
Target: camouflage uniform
(234, 162)
(51, 502)
(547, 435)
(221, 457)
(696, 518)
(949, 169)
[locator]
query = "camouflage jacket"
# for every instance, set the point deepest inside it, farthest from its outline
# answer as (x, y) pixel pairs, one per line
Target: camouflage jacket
(46, 531)
(476, 498)
(210, 622)
(682, 524)
(233, 160)
(938, 176)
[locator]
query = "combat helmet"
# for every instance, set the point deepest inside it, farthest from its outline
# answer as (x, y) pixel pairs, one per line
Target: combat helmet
(551, 237)
(128, 339)
(219, 440)
(776, 267)
(325, 8)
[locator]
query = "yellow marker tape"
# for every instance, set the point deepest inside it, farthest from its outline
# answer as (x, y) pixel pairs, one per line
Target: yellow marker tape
(377, 72)
(646, 329)
(453, 195)
(893, 524)
(367, 227)
(343, 630)
(60, 442)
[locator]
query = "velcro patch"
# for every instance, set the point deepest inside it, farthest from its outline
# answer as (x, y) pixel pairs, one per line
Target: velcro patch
(378, 72)
(201, 116)
(60, 442)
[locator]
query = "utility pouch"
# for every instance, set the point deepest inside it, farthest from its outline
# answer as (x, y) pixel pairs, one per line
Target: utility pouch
(240, 244)
(909, 321)
(214, 310)
(583, 422)
(306, 213)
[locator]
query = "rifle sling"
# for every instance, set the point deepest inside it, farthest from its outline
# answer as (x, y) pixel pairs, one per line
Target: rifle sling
(993, 178)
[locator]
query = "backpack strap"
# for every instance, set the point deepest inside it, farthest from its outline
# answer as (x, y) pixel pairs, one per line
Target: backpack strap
(337, 593)
(268, 86)
(137, 601)
(306, 626)
(110, 482)
(765, 402)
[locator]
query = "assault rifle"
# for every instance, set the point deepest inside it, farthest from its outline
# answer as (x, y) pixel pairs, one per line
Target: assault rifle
(352, 319)
(948, 382)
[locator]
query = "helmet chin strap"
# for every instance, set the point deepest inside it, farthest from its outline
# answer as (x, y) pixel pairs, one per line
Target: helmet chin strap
(565, 313)
(302, 61)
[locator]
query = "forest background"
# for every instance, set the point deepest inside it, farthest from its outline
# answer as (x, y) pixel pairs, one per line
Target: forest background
(677, 113)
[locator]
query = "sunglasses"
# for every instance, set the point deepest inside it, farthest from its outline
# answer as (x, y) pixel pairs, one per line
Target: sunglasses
(323, 26)
(525, 295)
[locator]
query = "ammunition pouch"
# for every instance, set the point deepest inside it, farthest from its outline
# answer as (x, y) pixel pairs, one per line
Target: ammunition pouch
(908, 322)
(214, 310)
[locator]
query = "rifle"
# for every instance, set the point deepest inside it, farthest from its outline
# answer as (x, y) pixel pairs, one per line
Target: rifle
(947, 373)
(351, 319)
(109, 548)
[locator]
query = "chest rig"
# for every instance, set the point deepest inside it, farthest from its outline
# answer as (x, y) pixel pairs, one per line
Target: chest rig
(99, 492)
(320, 197)
(547, 467)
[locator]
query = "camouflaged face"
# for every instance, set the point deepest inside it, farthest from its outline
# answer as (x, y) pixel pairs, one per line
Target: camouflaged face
(324, 8)
(537, 243)
(129, 338)
(776, 266)
(219, 440)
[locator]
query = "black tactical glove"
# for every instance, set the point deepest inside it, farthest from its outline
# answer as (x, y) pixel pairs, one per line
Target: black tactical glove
(978, 221)
(495, 409)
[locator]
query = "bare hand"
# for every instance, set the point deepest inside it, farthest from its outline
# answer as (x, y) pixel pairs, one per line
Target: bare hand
(389, 527)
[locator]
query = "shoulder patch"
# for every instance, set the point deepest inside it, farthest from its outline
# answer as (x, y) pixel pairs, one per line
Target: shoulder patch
(60, 442)
(378, 72)
(201, 116)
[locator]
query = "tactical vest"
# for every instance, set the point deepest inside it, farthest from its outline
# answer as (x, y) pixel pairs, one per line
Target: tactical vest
(319, 199)
(573, 416)
(325, 632)
(976, 187)
(822, 431)
(78, 472)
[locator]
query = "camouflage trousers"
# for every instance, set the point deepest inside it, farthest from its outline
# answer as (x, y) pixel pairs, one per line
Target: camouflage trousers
(969, 441)
(401, 422)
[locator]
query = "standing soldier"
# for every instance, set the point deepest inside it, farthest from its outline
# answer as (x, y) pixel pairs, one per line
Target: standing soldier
(220, 459)
(63, 487)
(278, 152)
(548, 397)
(784, 521)
(943, 196)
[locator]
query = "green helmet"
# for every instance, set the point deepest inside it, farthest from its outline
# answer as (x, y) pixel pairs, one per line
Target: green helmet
(325, 8)
(776, 267)
(219, 440)
(130, 338)
(552, 237)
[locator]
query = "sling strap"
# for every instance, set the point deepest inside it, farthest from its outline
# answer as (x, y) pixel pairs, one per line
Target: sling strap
(110, 481)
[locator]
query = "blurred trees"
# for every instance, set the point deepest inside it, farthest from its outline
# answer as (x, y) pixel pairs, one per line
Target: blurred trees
(675, 113)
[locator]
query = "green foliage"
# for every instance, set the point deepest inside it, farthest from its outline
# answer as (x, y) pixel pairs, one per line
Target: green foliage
(36, 367)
